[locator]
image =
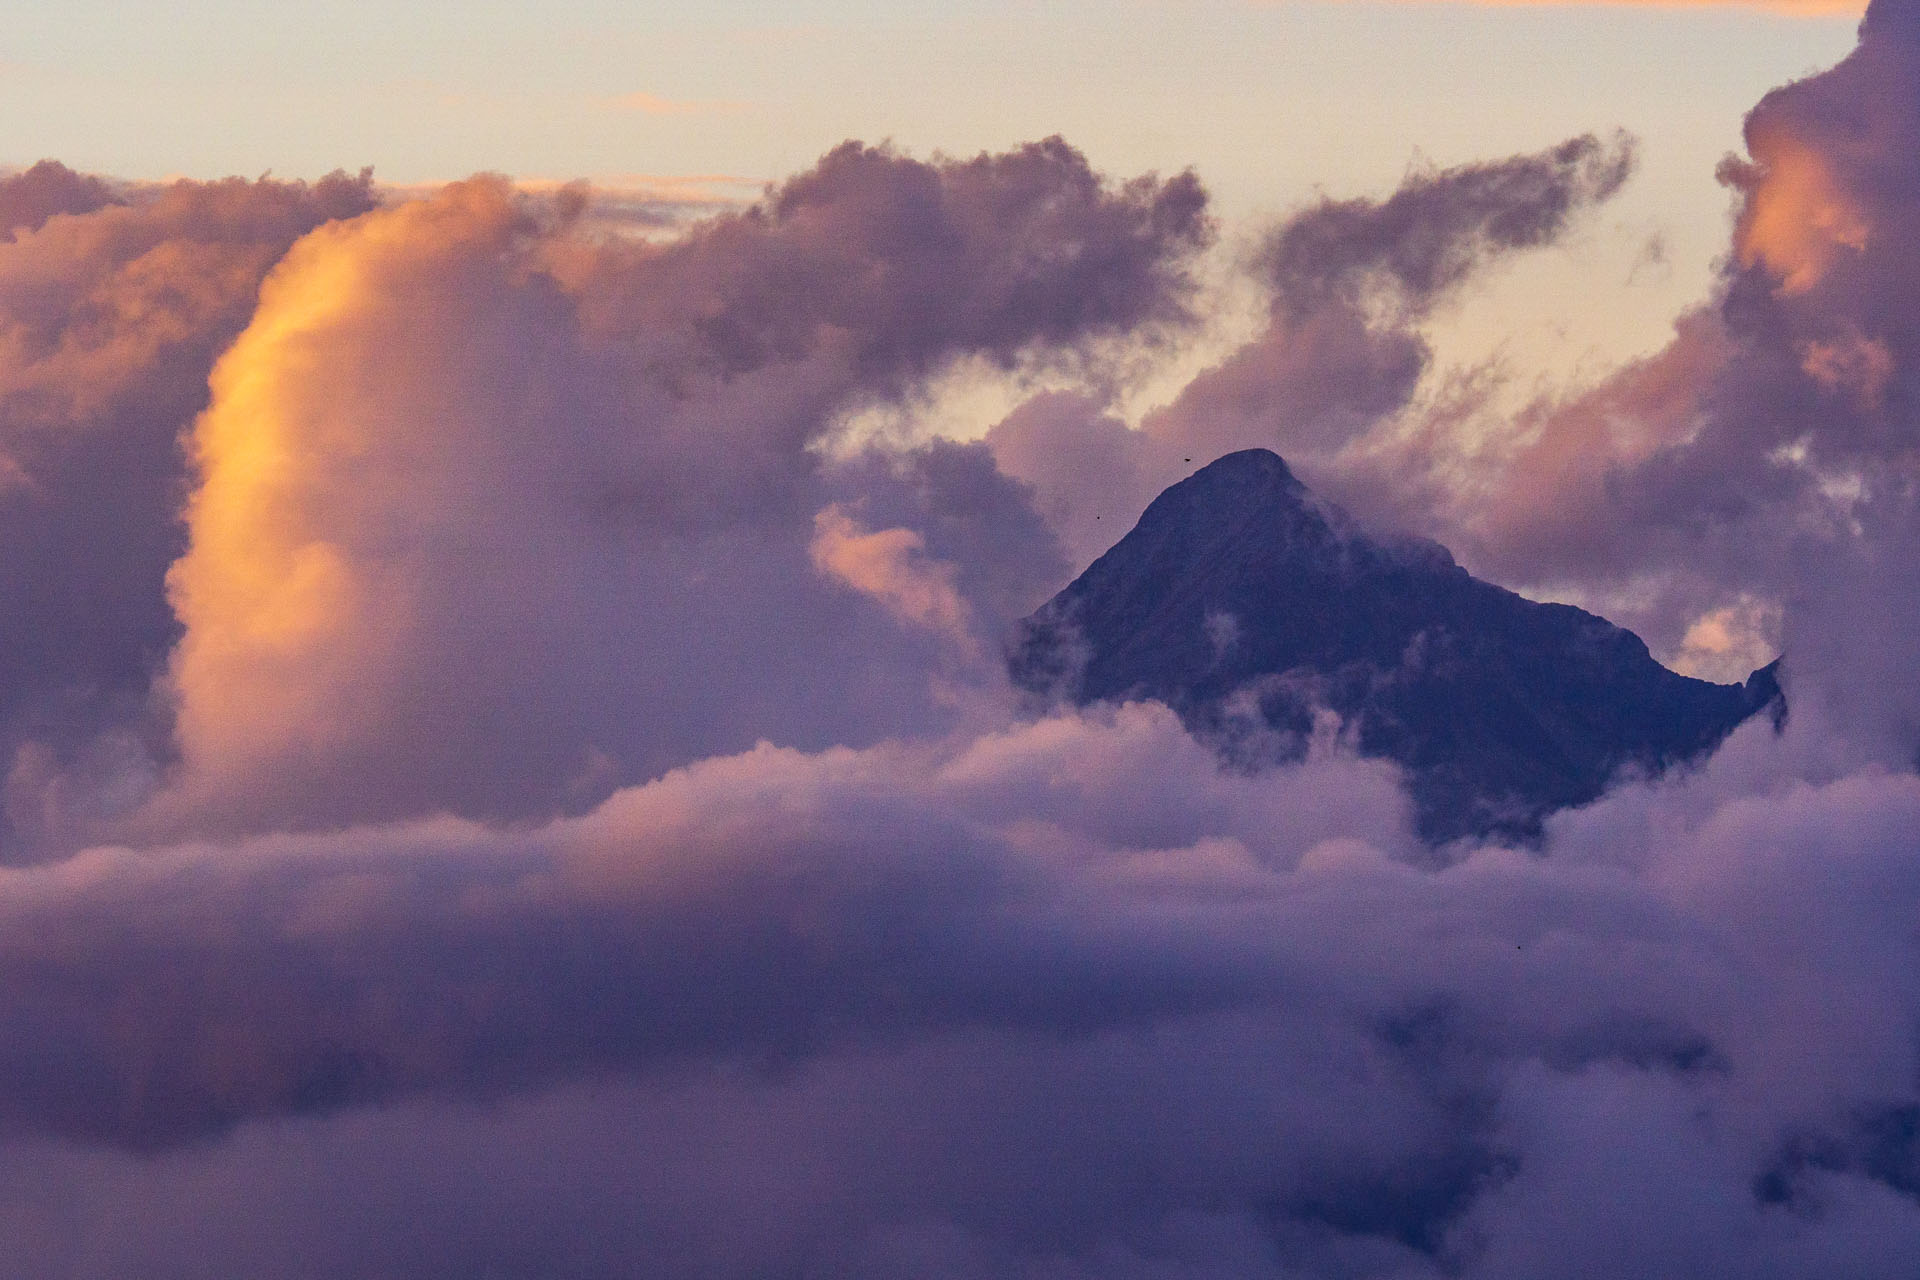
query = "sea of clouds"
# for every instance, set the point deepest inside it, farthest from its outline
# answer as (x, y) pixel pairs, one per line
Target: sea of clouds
(497, 782)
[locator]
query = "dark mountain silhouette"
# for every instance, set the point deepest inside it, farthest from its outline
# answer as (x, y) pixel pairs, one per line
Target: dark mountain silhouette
(1248, 605)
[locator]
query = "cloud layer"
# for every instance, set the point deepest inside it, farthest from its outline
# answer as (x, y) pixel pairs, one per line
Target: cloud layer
(502, 780)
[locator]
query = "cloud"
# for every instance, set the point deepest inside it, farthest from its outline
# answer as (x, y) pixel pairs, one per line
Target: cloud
(1411, 248)
(1767, 452)
(48, 189)
(113, 306)
(1093, 475)
(1713, 475)
(460, 436)
(547, 807)
(1341, 355)
(892, 566)
(1350, 278)
(905, 1006)
(646, 203)
(767, 903)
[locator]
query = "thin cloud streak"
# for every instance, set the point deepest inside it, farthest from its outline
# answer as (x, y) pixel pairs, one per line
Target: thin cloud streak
(1820, 9)
(646, 203)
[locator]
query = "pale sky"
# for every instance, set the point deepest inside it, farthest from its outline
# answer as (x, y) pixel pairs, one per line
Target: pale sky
(1261, 97)
(1268, 101)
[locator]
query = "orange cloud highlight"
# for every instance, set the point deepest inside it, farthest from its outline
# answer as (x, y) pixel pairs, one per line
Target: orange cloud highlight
(1798, 219)
(893, 567)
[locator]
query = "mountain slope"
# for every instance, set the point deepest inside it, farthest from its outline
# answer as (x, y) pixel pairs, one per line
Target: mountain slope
(1247, 604)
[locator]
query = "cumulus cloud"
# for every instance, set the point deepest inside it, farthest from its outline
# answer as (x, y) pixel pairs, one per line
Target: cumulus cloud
(457, 438)
(30, 197)
(1064, 995)
(771, 903)
(113, 307)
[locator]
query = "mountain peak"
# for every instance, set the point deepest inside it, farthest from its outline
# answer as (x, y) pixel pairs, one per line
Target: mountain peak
(1239, 484)
(1247, 469)
(1240, 589)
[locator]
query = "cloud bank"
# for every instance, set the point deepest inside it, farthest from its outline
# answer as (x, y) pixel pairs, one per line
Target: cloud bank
(500, 781)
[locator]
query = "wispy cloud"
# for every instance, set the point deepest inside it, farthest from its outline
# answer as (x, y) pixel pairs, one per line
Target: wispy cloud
(1787, 8)
(643, 202)
(702, 190)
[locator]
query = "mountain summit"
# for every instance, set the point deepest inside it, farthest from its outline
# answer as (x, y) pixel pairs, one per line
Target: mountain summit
(1249, 605)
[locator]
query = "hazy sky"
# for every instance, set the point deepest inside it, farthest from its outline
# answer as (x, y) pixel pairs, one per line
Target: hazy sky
(1265, 98)
(1268, 101)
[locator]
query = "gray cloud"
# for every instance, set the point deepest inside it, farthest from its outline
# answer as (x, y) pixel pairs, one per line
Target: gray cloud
(1341, 355)
(1060, 999)
(1439, 227)
(759, 907)
(49, 188)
